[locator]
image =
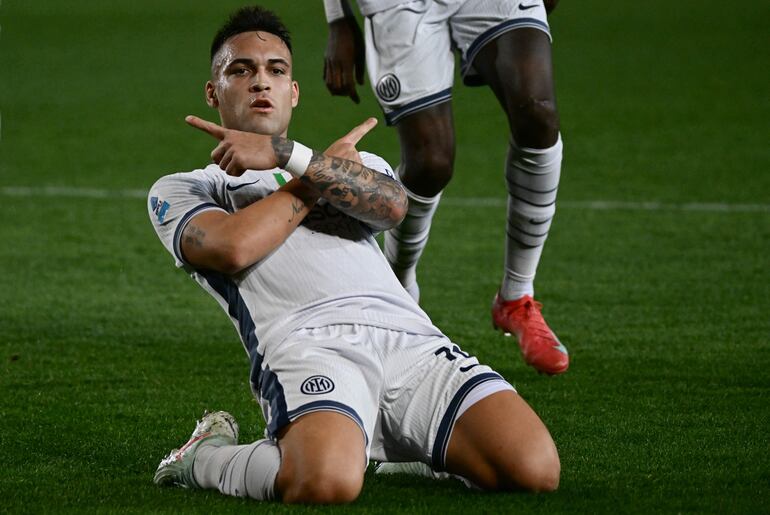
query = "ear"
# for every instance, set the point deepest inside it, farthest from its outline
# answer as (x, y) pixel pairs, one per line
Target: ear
(211, 95)
(294, 93)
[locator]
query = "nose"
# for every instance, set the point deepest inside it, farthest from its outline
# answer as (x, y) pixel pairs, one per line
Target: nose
(260, 83)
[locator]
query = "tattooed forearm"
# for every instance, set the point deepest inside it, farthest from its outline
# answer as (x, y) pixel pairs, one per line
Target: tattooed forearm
(194, 235)
(363, 193)
(296, 208)
(282, 148)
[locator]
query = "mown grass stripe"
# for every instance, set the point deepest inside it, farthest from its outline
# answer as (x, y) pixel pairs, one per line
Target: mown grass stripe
(599, 205)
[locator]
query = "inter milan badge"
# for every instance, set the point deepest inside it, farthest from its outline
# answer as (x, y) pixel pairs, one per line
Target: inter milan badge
(317, 385)
(388, 88)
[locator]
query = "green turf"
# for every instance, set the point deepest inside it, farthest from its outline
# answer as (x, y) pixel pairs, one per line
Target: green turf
(107, 353)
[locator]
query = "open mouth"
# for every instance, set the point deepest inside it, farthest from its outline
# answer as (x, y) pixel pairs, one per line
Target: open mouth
(262, 104)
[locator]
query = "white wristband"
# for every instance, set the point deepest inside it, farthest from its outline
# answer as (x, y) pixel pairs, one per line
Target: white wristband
(299, 159)
(333, 10)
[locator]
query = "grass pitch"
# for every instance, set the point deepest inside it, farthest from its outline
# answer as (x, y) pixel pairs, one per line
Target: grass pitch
(655, 275)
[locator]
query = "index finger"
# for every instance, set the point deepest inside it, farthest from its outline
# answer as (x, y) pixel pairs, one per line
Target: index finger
(359, 132)
(208, 127)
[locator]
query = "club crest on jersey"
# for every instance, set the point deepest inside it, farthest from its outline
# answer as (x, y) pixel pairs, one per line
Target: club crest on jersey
(388, 87)
(159, 207)
(317, 385)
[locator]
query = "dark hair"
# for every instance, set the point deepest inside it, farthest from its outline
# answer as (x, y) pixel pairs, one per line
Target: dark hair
(248, 19)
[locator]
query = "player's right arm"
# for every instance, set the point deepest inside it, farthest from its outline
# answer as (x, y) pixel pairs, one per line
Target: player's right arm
(344, 58)
(228, 243)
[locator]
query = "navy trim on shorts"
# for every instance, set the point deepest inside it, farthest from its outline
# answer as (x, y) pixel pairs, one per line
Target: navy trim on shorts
(183, 222)
(447, 422)
(236, 308)
(328, 405)
(272, 391)
(491, 34)
(418, 105)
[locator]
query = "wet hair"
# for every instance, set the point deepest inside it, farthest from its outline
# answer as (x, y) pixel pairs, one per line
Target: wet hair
(250, 19)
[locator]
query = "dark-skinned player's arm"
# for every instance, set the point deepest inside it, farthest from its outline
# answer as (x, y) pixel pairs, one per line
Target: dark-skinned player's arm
(344, 58)
(231, 242)
(550, 5)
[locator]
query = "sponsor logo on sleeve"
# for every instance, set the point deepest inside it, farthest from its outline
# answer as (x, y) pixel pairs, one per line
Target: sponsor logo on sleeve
(159, 207)
(317, 385)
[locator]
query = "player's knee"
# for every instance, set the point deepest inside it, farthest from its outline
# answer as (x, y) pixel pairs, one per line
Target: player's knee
(541, 473)
(534, 121)
(337, 488)
(538, 471)
(428, 171)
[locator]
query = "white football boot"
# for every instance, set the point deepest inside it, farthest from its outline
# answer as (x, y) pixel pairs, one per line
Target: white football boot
(218, 428)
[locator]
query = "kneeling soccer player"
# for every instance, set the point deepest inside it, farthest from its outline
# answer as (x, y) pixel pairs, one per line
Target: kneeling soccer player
(346, 366)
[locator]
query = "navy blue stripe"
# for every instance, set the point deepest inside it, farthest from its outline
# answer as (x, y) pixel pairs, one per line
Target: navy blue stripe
(237, 309)
(183, 222)
(327, 405)
(416, 105)
(272, 391)
(445, 427)
(493, 32)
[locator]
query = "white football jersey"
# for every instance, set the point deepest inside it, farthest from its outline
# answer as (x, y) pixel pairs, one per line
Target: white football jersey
(334, 11)
(330, 270)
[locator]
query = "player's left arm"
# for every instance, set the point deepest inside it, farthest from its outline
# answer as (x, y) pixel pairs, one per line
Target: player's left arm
(550, 5)
(368, 195)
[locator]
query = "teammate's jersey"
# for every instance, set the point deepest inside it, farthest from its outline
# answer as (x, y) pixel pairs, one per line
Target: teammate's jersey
(330, 270)
(367, 7)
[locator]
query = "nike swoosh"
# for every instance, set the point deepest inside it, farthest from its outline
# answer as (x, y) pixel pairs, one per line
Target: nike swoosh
(525, 7)
(230, 187)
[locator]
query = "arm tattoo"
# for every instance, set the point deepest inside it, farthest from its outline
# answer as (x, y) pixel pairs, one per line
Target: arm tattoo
(296, 208)
(361, 192)
(282, 148)
(194, 235)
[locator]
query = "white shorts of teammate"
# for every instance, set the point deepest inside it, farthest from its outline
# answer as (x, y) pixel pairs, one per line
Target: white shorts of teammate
(405, 391)
(410, 47)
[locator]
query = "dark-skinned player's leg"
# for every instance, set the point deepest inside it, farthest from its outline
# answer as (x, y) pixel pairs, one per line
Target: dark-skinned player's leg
(427, 159)
(517, 66)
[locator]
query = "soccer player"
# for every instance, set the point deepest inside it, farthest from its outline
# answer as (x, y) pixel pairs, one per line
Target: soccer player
(410, 56)
(344, 363)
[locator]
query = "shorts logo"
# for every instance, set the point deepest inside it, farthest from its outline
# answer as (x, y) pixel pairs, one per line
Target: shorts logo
(388, 88)
(317, 385)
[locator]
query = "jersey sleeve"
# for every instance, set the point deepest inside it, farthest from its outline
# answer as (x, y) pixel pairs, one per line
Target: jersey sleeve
(173, 201)
(377, 164)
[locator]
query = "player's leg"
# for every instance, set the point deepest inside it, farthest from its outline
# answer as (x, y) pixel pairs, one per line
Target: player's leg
(500, 443)
(517, 66)
(320, 459)
(411, 68)
(323, 460)
(427, 160)
(461, 418)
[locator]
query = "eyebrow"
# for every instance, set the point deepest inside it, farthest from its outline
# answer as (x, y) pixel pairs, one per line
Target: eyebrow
(251, 62)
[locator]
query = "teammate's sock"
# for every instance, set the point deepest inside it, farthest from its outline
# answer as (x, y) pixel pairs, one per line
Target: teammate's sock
(532, 175)
(404, 244)
(239, 470)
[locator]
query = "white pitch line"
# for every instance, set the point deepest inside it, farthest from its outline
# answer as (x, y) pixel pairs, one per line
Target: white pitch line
(477, 202)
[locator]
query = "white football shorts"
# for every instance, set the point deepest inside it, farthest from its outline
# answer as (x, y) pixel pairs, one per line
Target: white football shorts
(409, 47)
(404, 391)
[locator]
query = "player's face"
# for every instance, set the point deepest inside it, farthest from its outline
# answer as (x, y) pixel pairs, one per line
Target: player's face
(251, 84)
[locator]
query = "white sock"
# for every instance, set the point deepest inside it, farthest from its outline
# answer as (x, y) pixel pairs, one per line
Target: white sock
(239, 470)
(404, 244)
(532, 175)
